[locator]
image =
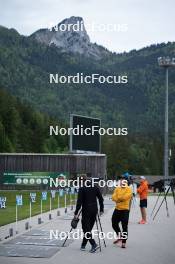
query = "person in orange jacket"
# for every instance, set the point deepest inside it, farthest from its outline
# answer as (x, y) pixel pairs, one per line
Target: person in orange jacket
(122, 196)
(143, 193)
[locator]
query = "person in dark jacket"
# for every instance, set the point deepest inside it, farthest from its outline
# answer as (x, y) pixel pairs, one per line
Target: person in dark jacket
(87, 201)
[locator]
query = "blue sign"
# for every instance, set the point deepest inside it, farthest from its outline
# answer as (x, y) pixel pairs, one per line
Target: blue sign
(19, 201)
(44, 196)
(3, 200)
(72, 190)
(67, 190)
(53, 193)
(33, 197)
(61, 192)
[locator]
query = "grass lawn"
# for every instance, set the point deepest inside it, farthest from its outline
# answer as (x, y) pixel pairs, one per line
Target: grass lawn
(8, 215)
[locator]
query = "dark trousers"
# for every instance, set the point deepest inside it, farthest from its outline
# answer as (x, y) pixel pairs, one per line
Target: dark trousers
(120, 216)
(88, 220)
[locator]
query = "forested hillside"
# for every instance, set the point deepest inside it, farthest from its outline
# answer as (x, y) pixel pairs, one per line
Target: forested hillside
(23, 129)
(139, 104)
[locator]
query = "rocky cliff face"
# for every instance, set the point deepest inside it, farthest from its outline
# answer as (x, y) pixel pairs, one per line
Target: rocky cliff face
(70, 35)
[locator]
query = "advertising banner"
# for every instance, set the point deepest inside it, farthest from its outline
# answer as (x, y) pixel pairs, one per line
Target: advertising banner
(32, 178)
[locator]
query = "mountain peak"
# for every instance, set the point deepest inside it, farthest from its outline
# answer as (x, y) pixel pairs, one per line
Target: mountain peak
(71, 36)
(72, 19)
(72, 23)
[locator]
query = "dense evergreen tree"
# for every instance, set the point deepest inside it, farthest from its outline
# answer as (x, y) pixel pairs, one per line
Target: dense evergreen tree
(23, 129)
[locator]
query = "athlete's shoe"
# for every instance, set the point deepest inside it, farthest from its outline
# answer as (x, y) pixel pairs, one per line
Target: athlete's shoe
(94, 248)
(142, 222)
(117, 241)
(123, 245)
(82, 248)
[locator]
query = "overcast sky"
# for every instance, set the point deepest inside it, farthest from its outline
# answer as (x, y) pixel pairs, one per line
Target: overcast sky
(147, 21)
